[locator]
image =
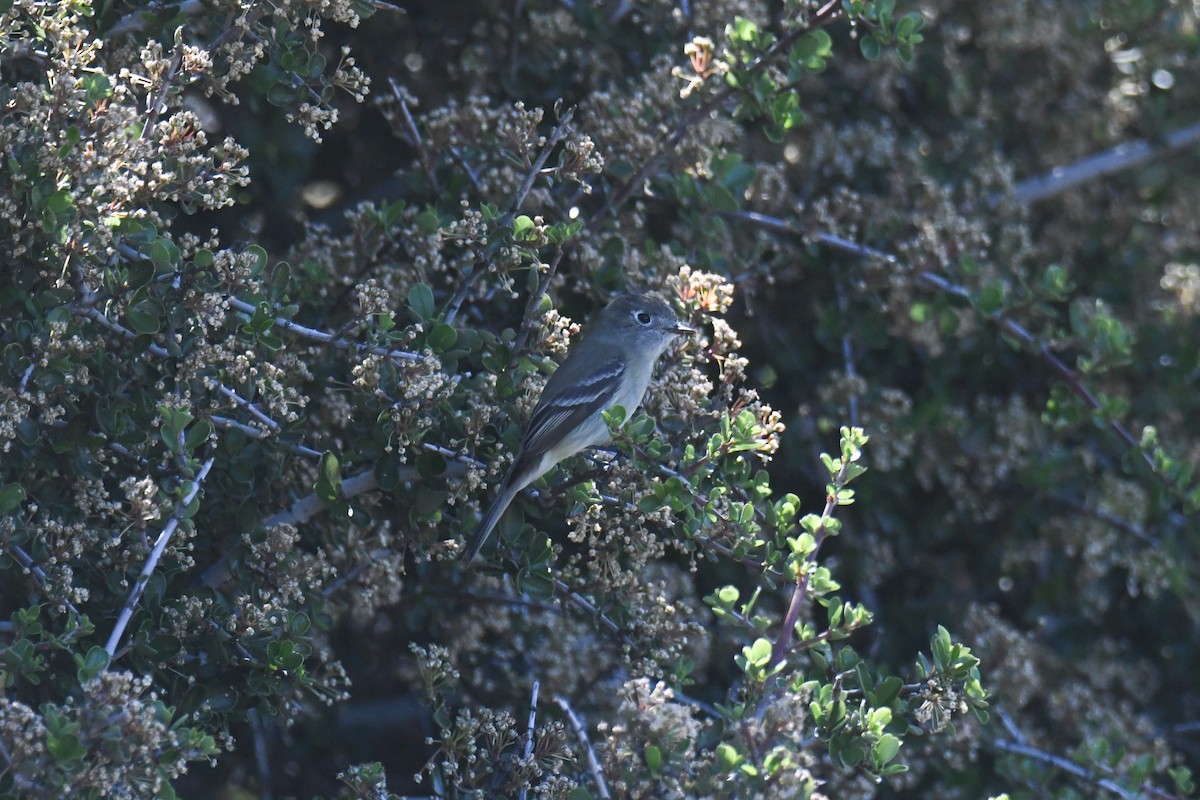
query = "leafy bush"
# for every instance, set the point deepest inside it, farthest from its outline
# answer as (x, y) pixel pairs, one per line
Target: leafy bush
(912, 515)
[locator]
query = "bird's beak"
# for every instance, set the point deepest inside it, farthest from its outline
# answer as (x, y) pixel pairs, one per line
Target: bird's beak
(682, 330)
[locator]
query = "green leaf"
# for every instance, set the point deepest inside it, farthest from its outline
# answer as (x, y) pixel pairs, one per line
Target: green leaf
(387, 472)
(758, 653)
(523, 228)
(869, 46)
(420, 300)
(885, 750)
(197, 435)
(260, 259)
(146, 316)
(329, 480)
(653, 759)
(614, 416)
(442, 337)
(728, 756)
(58, 208)
(65, 747)
(11, 497)
(887, 691)
(909, 24)
(742, 30)
(92, 664)
(164, 254)
(96, 85)
(280, 94)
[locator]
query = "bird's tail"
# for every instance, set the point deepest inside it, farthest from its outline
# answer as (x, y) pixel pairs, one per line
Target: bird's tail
(507, 492)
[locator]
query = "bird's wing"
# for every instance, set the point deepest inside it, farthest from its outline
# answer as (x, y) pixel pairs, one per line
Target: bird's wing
(554, 418)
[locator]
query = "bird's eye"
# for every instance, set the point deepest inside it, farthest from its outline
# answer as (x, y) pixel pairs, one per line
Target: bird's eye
(642, 317)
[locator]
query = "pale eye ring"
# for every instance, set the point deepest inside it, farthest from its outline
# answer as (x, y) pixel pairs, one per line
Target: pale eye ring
(642, 317)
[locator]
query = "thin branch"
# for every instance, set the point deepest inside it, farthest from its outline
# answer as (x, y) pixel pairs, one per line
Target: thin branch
(155, 105)
(253, 409)
(1120, 523)
(325, 337)
(25, 379)
(1120, 158)
(415, 136)
(1069, 767)
(559, 133)
(581, 734)
(848, 356)
(261, 759)
(454, 455)
(259, 433)
(467, 168)
(93, 313)
(830, 12)
(159, 546)
(529, 728)
(38, 573)
(1007, 325)
(579, 601)
(535, 300)
(497, 598)
(141, 19)
(783, 644)
(354, 572)
(535, 169)
(388, 7)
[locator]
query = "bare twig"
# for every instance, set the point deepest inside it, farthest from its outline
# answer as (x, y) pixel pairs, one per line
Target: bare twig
(259, 433)
(388, 7)
(1020, 746)
(354, 572)
(325, 337)
(529, 728)
(94, 314)
(152, 561)
(250, 407)
(581, 734)
(414, 136)
(848, 356)
(1007, 325)
(156, 103)
(25, 379)
(38, 573)
(535, 299)
(585, 605)
(668, 144)
(783, 643)
(141, 19)
(1069, 767)
(261, 759)
(559, 133)
(311, 505)
(1120, 523)
(467, 168)
(1120, 158)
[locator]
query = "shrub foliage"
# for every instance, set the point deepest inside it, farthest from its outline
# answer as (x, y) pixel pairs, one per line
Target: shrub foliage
(913, 514)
